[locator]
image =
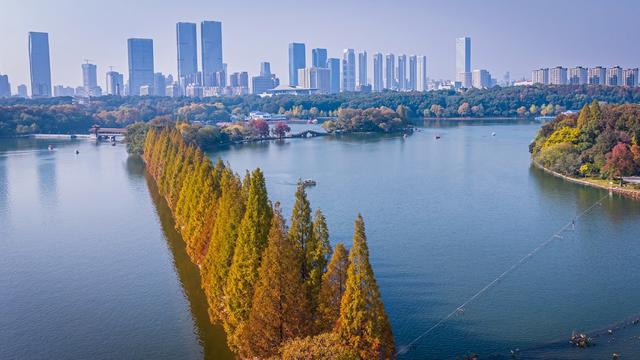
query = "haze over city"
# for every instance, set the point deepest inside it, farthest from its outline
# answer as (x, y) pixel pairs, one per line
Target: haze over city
(507, 36)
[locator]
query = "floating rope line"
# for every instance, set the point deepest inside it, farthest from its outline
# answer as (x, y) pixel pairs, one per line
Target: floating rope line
(460, 309)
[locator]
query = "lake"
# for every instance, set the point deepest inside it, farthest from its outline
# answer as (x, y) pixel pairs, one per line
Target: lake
(94, 268)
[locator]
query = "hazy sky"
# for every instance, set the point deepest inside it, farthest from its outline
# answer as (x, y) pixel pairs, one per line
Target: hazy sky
(513, 35)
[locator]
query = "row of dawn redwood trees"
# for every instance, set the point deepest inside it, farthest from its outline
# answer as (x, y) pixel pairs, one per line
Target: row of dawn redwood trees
(280, 291)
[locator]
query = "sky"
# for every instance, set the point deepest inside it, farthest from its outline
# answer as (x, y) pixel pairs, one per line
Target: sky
(507, 35)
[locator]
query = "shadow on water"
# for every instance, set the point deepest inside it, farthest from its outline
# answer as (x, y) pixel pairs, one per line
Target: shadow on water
(210, 336)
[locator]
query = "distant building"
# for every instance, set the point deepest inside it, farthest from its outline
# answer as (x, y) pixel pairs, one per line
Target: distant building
(159, 84)
(265, 81)
(291, 90)
(297, 60)
(413, 73)
(187, 51)
(578, 75)
(423, 81)
(173, 90)
(463, 61)
(22, 91)
(348, 70)
(194, 91)
(5, 87)
(614, 76)
(558, 76)
(319, 58)
(378, 84)
(481, 79)
(239, 79)
(140, 64)
(90, 80)
(115, 83)
(60, 90)
(39, 64)
(540, 76)
(597, 76)
(390, 68)
(315, 78)
(146, 90)
(362, 69)
(211, 47)
(265, 68)
(401, 75)
(630, 77)
(334, 71)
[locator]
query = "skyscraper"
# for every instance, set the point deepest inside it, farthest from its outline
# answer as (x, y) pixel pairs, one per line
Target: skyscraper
(390, 68)
(265, 68)
(5, 87)
(362, 68)
(423, 82)
(481, 79)
(349, 70)
(140, 64)
(597, 75)
(159, 84)
(297, 60)
(614, 76)
(334, 71)
(265, 81)
(187, 47)
(540, 76)
(89, 76)
(40, 64)
(211, 47)
(315, 78)
(463, 61)
(402, 72)
(319, 58)
(578, 76)
(22, 90)
(115, 83)
(558, 75)
(413, 73)
(630, 77)
(377, 72)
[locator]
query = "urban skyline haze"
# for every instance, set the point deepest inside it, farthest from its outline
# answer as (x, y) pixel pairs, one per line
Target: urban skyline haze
(506, 36)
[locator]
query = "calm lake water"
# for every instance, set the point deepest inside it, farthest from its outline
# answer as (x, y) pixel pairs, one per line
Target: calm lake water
(91, 267)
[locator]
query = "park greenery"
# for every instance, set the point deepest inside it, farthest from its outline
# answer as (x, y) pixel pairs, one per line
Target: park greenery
(600, 141)
(65, 115)
(279, 290)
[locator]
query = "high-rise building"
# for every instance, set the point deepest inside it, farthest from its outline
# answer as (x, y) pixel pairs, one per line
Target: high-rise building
(362, 68)
(614, 76)
(481, 79)
(423, 82)
(5, 87)
(315, 78)
(540, 76)
(390, 69)
(159, 84)
(90, 80)
(463, 61)
(597, 76)
(115, 83)
(413, 73)
(39, 64)
(22, 91)
(211, 47)
(319, 58)
(348, 70)
(558, 75)
(297, 60)
(140, 64)
(334, 70)
(265, 68)
(187, 46)
(401, 75)
(60, 90)
(265, 81)
(578, 75)
(630, 77)
(378, 84)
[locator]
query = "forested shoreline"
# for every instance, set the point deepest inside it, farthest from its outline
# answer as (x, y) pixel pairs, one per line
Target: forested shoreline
(281, 291)
(64, 115)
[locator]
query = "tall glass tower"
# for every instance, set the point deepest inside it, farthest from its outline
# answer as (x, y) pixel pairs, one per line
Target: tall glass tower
(187, 53)
(362, 68)
(349, 70)
(377, 72)
(297, 60)
(211, 44)
(463, 61)
(319, 58)
(39, 64)
(140, 64)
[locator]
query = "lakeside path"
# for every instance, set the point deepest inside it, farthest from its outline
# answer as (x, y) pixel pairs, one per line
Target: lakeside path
(601, 184)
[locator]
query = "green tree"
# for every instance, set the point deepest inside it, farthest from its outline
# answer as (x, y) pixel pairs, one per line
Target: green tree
(363, 323)
(280, 310)
(333, 287)
(317, 255)
(135, 137)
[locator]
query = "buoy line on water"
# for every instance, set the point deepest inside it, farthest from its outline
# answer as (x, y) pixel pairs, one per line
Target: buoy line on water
(460, 309)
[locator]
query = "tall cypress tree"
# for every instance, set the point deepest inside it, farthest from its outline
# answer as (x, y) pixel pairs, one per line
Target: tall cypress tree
(243, 274)
(223, 241)
(301, 233)
(318, 252)
(334, 283)
(280, 310)
(363, 323)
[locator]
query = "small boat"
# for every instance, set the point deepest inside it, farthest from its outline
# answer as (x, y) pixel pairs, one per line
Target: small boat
(405, 136)
(308, 182)
(113, 143)
(437, 137)
(493, 134)
(50, 147)
(77, 152)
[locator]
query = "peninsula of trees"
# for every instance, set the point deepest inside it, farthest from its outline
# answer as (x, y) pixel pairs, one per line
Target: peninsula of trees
(599, 142)
(280, 290)
(63, 115)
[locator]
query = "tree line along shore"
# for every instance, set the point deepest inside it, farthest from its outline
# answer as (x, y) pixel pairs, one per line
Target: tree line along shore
(280, 290)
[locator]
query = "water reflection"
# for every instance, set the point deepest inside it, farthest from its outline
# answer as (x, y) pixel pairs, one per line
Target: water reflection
(47, 178)
(210, 336)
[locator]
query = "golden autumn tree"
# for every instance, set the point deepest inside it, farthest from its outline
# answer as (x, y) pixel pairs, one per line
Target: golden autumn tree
(334, 283)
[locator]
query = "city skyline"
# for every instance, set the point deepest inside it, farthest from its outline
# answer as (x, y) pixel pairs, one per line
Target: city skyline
(519, 51)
